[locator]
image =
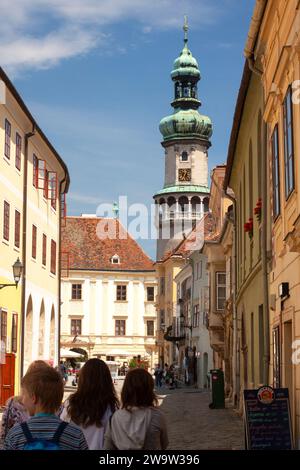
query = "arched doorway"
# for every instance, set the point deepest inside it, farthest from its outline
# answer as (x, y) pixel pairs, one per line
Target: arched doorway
(41, 331)
(28, 334)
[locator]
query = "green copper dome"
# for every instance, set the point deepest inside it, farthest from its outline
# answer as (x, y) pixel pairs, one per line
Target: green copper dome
(184, 124)
(185, 65)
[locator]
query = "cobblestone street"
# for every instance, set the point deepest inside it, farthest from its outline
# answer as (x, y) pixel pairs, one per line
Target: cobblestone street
(193, 425)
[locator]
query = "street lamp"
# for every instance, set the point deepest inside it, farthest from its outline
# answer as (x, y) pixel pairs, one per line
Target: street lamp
(17, 272)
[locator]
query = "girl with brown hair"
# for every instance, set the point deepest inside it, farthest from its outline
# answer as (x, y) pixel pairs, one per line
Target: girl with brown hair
(92, 405)
(139, 424)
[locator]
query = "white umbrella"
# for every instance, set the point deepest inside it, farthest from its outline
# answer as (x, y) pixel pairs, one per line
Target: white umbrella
(67, 353)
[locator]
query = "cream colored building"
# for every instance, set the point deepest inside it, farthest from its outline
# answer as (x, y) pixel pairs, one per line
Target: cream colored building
(108, 293)
(273, 50)
(33, 180)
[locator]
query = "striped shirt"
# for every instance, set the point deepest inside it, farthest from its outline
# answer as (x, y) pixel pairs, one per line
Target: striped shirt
(44, 427)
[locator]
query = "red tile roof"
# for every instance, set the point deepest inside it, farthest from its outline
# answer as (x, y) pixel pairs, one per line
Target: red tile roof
(195, 238)
(82, 239)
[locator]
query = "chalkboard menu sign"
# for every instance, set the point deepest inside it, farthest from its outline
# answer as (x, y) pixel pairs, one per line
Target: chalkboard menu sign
(267, 419)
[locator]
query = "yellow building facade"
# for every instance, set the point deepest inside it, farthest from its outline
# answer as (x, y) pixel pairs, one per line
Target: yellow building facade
(166, 304)
(33, 181)
(246, 163)
(273, 47)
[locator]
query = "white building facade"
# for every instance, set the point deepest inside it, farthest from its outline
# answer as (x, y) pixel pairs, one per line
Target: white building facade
(108, 307)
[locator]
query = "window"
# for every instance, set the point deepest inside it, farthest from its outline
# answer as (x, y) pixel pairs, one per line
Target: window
(75, 327)
(18, 151)
(4, 328)
(199, 270)
(120, 327)
(184, 157)
(44, 254)
(288, 143)
(76, 291)
(45, 186)
(162, 318)
(275, 171)
(35, 164)
(115, 259)
(7, 139)
(51, 182)
(53, 257)
(121, 293)
(196, 316)
(150, 328)
(34, 236)
(6, 221)
(150, 294)
(17, 228)
(14, 333)
(221, 290)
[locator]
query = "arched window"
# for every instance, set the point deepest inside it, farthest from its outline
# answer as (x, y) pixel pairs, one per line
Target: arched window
(184, 156)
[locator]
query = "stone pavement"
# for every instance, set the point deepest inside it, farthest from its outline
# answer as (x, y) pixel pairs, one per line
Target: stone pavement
(192, 425)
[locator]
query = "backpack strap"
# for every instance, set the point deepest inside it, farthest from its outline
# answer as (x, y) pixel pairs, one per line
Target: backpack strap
(27, 432)
(59, 431)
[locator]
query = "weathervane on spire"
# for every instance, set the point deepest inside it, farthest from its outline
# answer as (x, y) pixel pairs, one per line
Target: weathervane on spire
(185, 29)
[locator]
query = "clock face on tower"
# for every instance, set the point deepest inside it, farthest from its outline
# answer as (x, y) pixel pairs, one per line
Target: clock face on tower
(184, 174)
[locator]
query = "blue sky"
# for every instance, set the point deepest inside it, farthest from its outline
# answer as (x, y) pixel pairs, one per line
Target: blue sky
(96, 75)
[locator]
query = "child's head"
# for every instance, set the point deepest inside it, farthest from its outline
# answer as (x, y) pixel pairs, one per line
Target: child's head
(42, 390)
(138, 390)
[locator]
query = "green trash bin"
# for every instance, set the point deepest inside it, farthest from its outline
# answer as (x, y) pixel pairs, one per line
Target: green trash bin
(217, 386)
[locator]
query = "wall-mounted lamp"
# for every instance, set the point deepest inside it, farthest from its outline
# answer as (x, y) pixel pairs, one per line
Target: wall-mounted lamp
(17, 272)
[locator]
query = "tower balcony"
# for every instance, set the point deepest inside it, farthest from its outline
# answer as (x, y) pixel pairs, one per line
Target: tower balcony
(179, 215)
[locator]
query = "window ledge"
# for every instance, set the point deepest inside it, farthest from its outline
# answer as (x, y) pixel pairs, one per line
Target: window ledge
(7, 160)
(17, 249)
(76, 300)
(121, 301)
(6, 242)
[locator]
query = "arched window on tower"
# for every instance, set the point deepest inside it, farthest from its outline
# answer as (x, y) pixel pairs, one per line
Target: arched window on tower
(178, 90)
(206, 204)
(194, 92)
(184, 156)
(186, 90)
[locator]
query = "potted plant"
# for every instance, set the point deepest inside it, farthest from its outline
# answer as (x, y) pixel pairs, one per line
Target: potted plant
(248, 228)
(257, 210)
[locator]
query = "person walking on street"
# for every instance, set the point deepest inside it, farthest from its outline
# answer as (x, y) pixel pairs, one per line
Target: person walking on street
(139, 424)
(92, 405)
(15, 411)
(42, 393)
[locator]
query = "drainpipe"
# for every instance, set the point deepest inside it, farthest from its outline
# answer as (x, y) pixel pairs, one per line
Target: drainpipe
(24, 247)
(59, 271)
(264, 258)
(235, 369)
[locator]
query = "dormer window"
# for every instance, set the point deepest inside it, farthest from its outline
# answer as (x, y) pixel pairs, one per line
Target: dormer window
(184, 157)
(115, 259)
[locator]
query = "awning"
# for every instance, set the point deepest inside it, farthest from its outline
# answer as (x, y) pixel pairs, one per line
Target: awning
(65, 353)
(121, 353)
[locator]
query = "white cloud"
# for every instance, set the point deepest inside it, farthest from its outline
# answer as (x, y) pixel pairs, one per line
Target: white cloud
(41, 33)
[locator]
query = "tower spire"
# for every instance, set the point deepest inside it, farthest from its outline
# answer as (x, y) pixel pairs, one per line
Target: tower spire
(185, 29)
